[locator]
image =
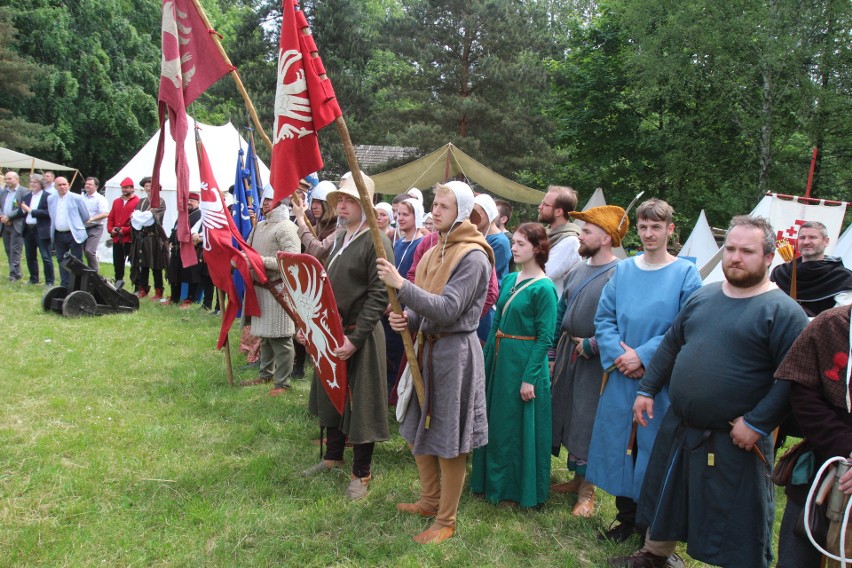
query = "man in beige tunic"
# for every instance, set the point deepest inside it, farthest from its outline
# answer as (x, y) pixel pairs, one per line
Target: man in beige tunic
(274, 327)
(361, 300)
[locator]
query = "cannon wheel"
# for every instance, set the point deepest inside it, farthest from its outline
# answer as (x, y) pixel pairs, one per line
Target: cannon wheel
(79, 303)
(55, 293)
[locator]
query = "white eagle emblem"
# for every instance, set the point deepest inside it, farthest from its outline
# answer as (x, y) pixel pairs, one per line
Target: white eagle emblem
(176, 33)
(291, 101)
(213, 214)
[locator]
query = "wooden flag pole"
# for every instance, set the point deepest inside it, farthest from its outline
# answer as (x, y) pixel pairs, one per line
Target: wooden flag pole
(234, 75)
(370, 213)
(227, 346)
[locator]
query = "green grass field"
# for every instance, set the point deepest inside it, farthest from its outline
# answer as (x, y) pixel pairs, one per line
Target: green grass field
(121, 444)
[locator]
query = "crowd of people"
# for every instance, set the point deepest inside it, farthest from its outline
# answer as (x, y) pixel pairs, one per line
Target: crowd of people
(48, 221)
(670, 396)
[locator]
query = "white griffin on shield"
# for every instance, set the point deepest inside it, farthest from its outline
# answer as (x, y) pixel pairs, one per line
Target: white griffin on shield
(175, 34)
(213, 214)
(291, 100)
(308, 304)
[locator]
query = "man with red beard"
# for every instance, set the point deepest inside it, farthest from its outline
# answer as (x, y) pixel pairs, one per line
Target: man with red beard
(708, 479)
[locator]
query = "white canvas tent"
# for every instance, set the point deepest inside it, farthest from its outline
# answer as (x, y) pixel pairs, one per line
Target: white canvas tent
(222, 143)
(843, 248)
(701, 245)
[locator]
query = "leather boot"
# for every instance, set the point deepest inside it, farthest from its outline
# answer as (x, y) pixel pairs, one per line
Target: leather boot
(158, 295)
(430, 488)
(585, 505)
(452, 482)
(569, 486)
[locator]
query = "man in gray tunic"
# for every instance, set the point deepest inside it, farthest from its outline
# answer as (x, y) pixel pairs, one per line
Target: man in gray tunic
(577, 371)
(361, 300)
(708, 481)
(274, 327)
(444, 306)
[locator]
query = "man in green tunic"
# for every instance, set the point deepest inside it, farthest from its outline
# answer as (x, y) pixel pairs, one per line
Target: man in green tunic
(708, 480)
(361, 299)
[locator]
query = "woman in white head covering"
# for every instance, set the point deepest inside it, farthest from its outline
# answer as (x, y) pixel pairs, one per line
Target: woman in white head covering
(384, 218)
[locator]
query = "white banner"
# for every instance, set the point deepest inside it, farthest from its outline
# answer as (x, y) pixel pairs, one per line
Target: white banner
(788, 215)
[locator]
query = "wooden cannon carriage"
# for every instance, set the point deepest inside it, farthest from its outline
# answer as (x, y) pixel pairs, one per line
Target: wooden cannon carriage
(90, 293)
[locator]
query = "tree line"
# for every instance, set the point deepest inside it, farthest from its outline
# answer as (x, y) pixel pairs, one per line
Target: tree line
(705, 104)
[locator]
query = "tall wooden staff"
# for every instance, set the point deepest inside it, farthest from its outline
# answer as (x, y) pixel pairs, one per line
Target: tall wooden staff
(234, 75)
(378, 245)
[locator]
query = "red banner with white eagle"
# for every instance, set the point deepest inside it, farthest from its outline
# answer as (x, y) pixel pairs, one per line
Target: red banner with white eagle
(304, 103)
(190, 63)
(309, 300)
(220, 241)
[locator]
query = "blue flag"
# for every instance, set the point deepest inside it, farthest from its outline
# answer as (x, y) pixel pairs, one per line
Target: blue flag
(247, 184)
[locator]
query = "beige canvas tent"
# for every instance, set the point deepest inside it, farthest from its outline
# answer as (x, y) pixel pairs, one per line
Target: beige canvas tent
(21, 162)
(446, 163)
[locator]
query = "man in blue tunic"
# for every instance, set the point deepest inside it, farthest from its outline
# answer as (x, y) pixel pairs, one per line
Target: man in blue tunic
(708, 481)
(636, 309)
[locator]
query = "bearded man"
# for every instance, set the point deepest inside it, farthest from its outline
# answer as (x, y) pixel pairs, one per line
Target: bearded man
(361, 300)
(708, 481)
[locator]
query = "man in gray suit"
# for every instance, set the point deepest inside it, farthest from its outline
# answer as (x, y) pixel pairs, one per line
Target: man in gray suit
(12, 223)
(68, 215)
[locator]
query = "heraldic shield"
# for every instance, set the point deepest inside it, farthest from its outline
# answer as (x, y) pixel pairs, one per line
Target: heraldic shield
(309, 301)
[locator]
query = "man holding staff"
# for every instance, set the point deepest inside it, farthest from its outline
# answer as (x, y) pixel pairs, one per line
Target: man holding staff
(444, 308)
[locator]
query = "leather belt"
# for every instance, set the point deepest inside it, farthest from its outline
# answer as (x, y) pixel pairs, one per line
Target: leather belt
(270, 284)
(431, 338)
(500, 336)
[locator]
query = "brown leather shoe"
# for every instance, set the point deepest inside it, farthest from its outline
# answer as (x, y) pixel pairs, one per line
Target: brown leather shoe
(639, 559)
(414, 509)
(585, 505)
(278, 391)
(568, 487)
(257, 381)
(435, 534)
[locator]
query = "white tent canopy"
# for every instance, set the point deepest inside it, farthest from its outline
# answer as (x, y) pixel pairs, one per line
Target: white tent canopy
(701, 245)
(12, 160)
(222, 143)
(843, 248)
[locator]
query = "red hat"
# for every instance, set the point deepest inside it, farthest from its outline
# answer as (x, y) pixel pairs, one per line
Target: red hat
(127, 182)
(194, 195)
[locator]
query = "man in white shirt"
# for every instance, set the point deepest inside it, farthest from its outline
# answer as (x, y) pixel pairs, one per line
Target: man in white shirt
(68, 215)
(98, 212)
(562, 233)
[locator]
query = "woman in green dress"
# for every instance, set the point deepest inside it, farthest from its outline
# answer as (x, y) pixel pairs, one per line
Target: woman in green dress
(515, 465)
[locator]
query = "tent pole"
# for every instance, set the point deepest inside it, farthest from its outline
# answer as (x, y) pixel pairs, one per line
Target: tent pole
(73, 178)
(32, 167)
(234, 75)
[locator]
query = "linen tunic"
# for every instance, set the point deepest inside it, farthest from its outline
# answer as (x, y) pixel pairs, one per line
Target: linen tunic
(577, 381)
(361, 300)
(457, 382)
(637, 307)
(718, 359)
(273, 234)
(515, 465)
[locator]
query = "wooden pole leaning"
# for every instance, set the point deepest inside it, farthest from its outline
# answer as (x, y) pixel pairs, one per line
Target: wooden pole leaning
(370, 213)
(227, 346)
(234, 75)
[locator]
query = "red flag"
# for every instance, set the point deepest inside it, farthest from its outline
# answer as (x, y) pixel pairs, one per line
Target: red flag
(219, 233)
(304, 103)
(191, 62)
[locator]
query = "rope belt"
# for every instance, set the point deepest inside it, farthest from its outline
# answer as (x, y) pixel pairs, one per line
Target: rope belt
(500, 336)
(431, 339)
